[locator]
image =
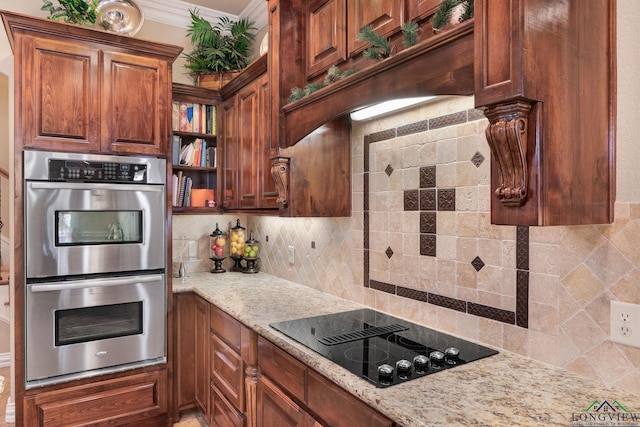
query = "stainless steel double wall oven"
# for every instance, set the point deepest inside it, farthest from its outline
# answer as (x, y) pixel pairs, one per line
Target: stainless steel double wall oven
(95, 251)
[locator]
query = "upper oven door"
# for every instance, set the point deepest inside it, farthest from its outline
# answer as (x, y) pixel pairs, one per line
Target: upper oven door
(93, 228)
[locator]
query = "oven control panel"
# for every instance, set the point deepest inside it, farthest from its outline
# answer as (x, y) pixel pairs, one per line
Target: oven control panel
(91, 171)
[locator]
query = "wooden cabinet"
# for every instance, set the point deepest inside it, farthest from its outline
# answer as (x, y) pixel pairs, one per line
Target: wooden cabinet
(88, 91)
(384, 16)
(290, 393)
(326, 34)
(233, 356)
(421, 9)
(133, 400)
(202, 327)
(203, 176)
(185, 351)
(245, 120)
(332, 27)
(547, 87)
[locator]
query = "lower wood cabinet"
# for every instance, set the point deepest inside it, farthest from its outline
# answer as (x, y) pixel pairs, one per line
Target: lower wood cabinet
(275, 408)
(251, 382)
(291, 394)
(135, 399)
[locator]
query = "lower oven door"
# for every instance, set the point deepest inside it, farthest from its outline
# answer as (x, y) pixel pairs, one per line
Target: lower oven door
(81, 328)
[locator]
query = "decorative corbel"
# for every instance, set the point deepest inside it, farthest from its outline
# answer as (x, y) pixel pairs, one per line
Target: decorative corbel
(280, 174)
(507, 138)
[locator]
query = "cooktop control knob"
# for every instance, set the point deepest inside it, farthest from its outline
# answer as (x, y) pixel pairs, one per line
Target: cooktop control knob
(403, 367)
(452, 355)
(385, 373)
(421, 362)
(436, 357)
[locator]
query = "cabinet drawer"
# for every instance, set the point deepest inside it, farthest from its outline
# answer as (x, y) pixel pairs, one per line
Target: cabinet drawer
(227, 372)
(227, 328)
(223, 414)
(338, 408)
(283, 369)
(113, 402)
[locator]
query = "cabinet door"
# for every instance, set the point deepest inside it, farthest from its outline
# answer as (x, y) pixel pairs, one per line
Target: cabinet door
(338, 408)
(184, 305)
(248, 146)
(58, 105)
(384, 16)
(133, 400)
(274, 408)
(136, 103)
(230, 153)
(202, 354)
(326, 35)
(226, 371)
(223, 414)
(267, 191)
(420, 9)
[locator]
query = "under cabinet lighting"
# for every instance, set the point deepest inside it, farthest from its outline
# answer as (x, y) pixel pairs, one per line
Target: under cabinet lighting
(387, 107)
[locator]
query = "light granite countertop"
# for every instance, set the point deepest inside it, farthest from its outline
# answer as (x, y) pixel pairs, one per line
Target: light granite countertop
(501, 390)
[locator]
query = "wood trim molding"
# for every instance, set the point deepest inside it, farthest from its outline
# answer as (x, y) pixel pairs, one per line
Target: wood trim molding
(507, 138)
(4, 173)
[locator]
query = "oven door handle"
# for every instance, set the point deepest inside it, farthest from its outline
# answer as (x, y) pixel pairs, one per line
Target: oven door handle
(81, 284)
(94, 186)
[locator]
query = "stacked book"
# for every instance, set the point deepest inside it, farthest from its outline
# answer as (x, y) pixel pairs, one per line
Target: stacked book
(192, 117)
(195, 153)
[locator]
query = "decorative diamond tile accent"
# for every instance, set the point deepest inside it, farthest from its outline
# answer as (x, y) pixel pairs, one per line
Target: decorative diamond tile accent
(389, 252)
(447, 302)
(428, 244)
(388, 170)
(477, 159)
(428, 222)
(428, 177)
(413, 294)
(447, 199)
(493, 313)
(477, 263)
(382, 135)
(381, 286)
(411, 200)
(475, 114)
(448, 120)
(522, 298)
(416, 127)
(428, 200)
(522, 247)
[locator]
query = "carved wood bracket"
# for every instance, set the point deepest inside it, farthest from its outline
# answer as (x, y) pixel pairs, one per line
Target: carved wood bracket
(280, 174)
(507, 138)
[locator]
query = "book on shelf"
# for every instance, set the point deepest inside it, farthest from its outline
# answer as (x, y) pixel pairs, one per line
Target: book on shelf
(184, 195)
(196, 153)
(193, 117)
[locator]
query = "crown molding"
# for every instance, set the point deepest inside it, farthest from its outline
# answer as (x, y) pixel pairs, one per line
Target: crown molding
(171, 12)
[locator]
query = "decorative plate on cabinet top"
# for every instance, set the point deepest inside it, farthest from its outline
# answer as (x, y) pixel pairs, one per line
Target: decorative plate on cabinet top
(120, 16)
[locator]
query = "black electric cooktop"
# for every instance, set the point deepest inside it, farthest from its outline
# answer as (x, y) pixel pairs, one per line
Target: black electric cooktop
(380, 348)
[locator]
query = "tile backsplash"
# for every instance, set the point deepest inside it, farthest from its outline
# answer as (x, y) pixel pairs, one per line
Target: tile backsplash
(542, 292)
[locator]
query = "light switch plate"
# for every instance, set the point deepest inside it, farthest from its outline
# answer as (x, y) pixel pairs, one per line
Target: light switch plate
(625, 323)
(291, 254)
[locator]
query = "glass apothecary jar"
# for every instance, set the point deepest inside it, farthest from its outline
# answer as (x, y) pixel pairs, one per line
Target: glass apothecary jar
(236, 248)
(251, 254)
(218, 249)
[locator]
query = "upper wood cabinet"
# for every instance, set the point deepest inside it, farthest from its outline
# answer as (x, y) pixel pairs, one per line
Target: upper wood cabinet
(384, 16)
(246, 141)
(326, 35)
(545, 76)
(83, 90)
(421, 9)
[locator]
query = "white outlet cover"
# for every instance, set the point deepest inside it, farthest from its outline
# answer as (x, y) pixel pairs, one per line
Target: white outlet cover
(625, 323)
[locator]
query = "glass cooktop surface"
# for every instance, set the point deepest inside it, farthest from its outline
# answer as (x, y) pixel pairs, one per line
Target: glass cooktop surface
(380, 348)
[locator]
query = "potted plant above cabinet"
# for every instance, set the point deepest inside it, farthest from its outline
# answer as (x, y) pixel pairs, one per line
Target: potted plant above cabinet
(220, 51)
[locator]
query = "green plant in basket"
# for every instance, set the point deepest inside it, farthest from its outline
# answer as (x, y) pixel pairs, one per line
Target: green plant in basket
(78, 12)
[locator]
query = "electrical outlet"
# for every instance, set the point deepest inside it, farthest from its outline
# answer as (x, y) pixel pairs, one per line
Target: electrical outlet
(625, 323)
(291, 255)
